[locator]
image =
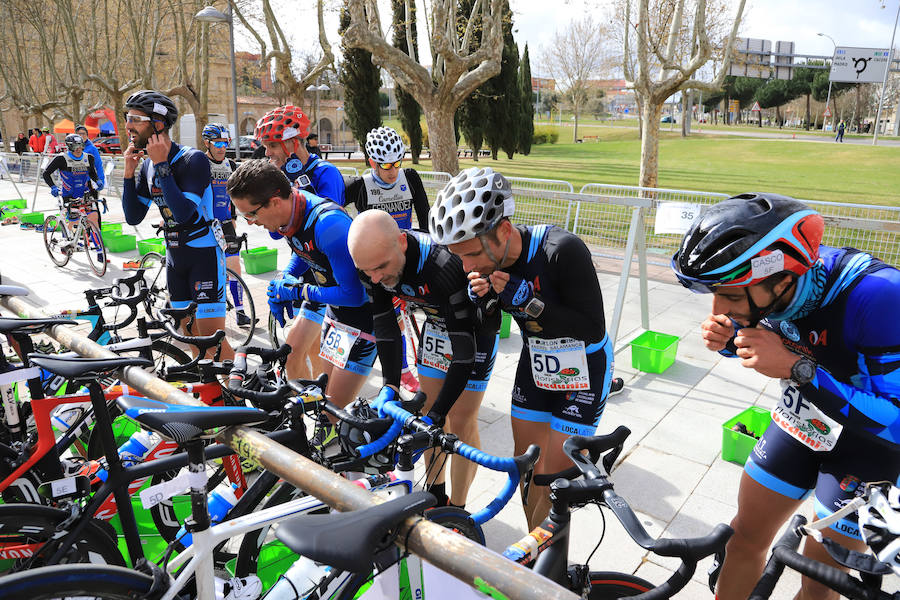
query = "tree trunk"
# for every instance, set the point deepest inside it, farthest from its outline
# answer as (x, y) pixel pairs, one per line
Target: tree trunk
(118, 102)
(576, 109)
(650, 143)
(807, 112)
(441, 140)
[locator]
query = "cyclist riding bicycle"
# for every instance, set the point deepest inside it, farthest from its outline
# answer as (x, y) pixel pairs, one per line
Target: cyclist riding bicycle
(77, 169)
(91, 149)
(394, 190)
(817, 318)
(177, 180)
(216, 138)
(456, 351)
(544, 277)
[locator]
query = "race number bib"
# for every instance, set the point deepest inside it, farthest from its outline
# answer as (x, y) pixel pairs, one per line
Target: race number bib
(803, 421)
(337, 342)
(559, 364)
(435, 347)
(216, 227)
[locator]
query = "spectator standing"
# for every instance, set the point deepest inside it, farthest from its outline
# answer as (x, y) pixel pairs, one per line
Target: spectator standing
(840, 133)
(312, 144)
(36, 141)
(21, 144)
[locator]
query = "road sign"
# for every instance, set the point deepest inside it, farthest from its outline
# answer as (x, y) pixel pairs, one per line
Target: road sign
(859, 65)
(827, 112)
(755, 107)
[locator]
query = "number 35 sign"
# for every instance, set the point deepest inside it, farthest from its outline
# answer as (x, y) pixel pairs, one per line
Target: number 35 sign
(675, 217)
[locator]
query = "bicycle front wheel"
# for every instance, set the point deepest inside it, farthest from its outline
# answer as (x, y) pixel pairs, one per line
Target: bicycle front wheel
(158, 289)
(94, 248)
(607, 585)
(239, 325)
(76, 582)
(57, 240)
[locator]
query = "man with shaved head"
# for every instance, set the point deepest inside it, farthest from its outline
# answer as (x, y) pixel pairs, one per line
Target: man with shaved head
(456, 350)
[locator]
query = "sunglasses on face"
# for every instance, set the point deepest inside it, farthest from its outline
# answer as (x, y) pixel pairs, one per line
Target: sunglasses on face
(220, 144)
(251, 216)
(389, 166)
(137, 119)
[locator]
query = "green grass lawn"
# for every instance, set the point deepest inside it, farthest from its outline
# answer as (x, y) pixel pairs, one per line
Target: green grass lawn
(727, 164)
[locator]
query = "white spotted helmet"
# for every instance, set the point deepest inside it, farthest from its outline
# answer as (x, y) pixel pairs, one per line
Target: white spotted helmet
(472, 203)
(879, 523)
(383, 145)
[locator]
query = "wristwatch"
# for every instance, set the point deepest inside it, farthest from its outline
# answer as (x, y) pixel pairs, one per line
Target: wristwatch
(803, 371)
(534, 308)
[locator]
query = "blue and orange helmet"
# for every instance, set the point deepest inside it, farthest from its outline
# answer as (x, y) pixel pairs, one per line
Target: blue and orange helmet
(743, 240)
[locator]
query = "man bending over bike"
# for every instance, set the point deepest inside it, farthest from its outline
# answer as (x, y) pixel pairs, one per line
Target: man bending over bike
(818, 318)
(177, 180)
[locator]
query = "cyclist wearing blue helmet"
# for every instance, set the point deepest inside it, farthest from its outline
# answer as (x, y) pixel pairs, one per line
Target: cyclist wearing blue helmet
(814, 317)
(216, 138)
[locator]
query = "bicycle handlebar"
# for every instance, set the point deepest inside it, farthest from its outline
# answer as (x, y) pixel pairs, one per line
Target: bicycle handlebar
(272, 399)
(596, 446)
(515, 467)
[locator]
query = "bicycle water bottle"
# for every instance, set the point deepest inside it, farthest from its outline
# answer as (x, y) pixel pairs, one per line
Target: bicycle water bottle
(300, 581)
(220, 501)
(134, 450)
(65, 415)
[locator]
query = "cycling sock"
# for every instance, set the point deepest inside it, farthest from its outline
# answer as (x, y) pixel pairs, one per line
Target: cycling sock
(237, 292)
(460, 506)
(439, 491)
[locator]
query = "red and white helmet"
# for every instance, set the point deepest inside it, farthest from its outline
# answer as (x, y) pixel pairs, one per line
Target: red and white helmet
(282, 124)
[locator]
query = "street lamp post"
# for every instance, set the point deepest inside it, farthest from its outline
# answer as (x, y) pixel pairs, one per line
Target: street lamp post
(828, 99)
(212, 15)
(318, 88)
(887, 71)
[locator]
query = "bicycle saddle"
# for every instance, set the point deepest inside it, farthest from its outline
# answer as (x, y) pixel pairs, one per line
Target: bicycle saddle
(77, 367)
(349, 541)
(182, 423)
(12, 290)
(14, 325)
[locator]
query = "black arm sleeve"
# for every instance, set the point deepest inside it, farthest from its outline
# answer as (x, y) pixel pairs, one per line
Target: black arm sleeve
(420, 198)
(579, 314)
(387, 335)
(355, 193)
(55, 164)
(92, 168)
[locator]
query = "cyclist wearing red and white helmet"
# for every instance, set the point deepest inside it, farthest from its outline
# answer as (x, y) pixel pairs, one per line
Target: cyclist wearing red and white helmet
(814, 317)
(283, 131)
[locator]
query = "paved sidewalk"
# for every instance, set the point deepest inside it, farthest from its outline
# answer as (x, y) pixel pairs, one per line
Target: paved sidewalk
(671, 472)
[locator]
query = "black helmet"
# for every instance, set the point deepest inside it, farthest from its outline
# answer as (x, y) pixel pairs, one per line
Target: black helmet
(350, 437)
(74, 142)
(154, 104)
(745, 239)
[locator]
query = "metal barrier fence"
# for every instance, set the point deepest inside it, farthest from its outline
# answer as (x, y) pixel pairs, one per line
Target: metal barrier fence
(544, 209)
(450, 552)
(349, 171)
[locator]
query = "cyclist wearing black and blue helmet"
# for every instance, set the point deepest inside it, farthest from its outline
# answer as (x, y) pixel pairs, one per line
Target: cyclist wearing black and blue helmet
(177, 180)
(814, 317)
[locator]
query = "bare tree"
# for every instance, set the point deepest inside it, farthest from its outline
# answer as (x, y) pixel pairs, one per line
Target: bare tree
(577, 55)
(457, 67)
(670, 45)
(254, 14)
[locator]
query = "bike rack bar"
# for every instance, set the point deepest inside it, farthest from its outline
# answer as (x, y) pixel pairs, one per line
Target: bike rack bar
(482, 568)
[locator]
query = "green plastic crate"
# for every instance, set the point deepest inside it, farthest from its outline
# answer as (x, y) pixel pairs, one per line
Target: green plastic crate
(35, 218)
(505, 323)
(737, 446)
(260, 260)
(653, 352)
(120, 243)
(111, 229)
(152, 245)
(16, 203)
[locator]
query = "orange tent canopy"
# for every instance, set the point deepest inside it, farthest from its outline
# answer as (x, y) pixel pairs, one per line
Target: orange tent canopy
(66, 126)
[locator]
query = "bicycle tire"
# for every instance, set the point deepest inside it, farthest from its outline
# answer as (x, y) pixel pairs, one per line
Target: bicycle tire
(83, 581)
(157, 286)
(94, 248)
(234, 333)
(30, 524)
(609, 585)
(55, 236)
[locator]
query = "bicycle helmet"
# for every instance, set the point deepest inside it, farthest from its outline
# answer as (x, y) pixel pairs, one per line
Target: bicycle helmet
(214, 131)
(472, 203)
(879, 523)
(154, 104)
(351, 437)
(745, 239)
(383, 145)
(281, 124)
(74, 142)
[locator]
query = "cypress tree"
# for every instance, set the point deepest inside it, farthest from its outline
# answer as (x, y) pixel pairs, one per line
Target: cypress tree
(407, 107)
(361, 80)
(503, 91)
(472, 114)
(526, 124)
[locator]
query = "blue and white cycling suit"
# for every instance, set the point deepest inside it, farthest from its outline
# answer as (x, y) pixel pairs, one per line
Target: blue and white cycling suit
(223, 209)
(195, 261)
(75, 174)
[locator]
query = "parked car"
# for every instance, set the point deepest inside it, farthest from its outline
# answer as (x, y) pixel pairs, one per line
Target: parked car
(248, 145)
(668, 119)
(109, 144)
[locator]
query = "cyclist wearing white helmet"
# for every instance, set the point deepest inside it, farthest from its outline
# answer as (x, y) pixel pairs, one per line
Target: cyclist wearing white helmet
(545, 278)
(814, 317)
(394, 190)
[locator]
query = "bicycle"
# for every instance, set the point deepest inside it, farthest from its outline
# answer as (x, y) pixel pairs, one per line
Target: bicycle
(61, 243)
(882, 498)
(239, 327)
